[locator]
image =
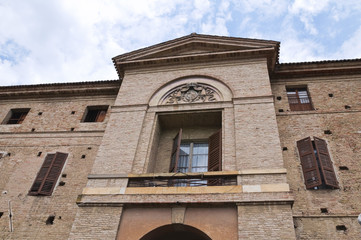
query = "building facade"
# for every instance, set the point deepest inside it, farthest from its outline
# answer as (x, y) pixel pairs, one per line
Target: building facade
(202, 137)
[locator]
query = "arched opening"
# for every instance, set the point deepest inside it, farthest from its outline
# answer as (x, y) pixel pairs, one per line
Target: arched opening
(176, 232)
(191, 89)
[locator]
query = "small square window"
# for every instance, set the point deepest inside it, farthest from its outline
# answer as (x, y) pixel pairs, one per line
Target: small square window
(16, 116)
(299, 99)
(95, 113)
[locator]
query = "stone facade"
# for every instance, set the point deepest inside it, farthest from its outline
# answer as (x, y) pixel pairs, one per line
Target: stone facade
(116, 182)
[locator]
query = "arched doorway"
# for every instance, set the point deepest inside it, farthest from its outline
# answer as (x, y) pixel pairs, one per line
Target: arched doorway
(176, 232)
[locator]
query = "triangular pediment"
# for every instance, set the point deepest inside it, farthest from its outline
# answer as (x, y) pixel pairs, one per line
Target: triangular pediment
(199, 47)
(187, 49)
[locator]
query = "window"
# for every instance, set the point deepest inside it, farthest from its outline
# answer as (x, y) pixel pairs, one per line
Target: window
(95, 113)
(16, 116)
(194, 156)
(48, 175)
(299, 99)
(316, 164)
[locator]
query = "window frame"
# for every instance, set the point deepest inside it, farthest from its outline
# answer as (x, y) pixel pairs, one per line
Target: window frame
(299, 106)
(191, 143)
(214, 156)
(19, 120)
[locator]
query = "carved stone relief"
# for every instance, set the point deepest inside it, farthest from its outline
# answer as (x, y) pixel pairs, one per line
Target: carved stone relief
(190, 93)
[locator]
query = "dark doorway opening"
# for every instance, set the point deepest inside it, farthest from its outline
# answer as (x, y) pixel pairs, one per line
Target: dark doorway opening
(176, 232)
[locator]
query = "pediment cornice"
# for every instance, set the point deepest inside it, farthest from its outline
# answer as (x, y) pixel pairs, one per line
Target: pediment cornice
(197, 48)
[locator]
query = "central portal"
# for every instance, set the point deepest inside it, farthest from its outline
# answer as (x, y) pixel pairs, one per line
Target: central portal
(176, 232)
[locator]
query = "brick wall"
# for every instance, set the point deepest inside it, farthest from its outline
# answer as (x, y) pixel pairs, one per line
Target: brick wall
(344, 144)
(18, 171)
(96, 223)
(265, 222)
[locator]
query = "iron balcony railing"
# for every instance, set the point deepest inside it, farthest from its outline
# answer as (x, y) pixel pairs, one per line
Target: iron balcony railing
(183, 180)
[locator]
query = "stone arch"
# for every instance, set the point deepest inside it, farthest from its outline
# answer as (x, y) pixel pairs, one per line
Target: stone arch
(191, 89)
(176, 232)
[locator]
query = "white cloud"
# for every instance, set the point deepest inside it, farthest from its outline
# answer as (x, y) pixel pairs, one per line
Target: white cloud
(201, 7)
(312, 7)
(306, 10)
(295, 50)
(263, 8)
(59, 41)
(351, 47)
(75, 40)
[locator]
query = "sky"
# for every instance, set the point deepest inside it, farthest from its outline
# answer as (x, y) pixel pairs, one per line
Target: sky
(53, 41)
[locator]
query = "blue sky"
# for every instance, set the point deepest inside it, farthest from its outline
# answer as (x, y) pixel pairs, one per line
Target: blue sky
(74, 40)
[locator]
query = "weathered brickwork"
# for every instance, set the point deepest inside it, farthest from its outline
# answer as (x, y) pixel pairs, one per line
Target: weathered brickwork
(344, 144)
(257, 145)
(96, 223)
(265, 222)
(26, 151)
(143, 145)
(329, 227)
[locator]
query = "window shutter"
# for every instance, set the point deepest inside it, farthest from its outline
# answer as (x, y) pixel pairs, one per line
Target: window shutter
(48, 174)
(21, 118)
(215, 151)
(326, 165)
(309, 163)
(53, 175)
(101, 115)
(34, 190)
(175, 152)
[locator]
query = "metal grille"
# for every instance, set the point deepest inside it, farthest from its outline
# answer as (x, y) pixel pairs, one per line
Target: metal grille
(183, 181)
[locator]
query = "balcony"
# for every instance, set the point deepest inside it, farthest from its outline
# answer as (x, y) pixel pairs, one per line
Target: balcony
(183, 180)
(168, 188)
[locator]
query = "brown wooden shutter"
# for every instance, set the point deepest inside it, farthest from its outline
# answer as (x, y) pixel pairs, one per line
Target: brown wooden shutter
(101, 115)
(22, 117)
(311, 173)
(175, 152)
(326, 165)
(299, 99)
(48, 175)
(34, 190)
(215, 151)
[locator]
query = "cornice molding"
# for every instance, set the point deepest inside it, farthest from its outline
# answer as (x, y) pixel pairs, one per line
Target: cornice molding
(60, 90)
(316, 69)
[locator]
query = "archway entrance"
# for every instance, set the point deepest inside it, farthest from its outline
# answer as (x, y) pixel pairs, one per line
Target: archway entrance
(176, 232)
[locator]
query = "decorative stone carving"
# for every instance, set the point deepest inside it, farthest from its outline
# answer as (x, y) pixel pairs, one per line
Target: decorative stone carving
(190, 93)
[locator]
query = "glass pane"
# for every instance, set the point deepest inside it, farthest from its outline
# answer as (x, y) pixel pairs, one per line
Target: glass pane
(292, 97)
(303, 96)
(200, 157)
(200, 148)
(183, 161)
